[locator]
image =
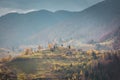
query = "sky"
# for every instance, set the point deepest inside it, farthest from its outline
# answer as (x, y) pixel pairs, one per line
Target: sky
(24, 6)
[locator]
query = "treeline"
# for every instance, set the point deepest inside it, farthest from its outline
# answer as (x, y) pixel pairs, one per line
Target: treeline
(106, 67)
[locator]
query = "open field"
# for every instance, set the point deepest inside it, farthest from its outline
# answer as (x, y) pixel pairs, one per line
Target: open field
(66, 64)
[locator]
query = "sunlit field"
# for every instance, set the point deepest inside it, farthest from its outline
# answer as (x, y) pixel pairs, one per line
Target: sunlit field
(62, 64)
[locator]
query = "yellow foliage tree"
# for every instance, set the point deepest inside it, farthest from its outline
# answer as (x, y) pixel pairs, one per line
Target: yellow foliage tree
(28, 51)
(22, 76)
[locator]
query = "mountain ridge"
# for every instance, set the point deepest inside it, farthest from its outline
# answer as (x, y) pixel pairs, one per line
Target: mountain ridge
(45, 26)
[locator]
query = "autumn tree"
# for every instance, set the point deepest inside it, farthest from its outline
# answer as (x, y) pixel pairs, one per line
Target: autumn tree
(28, 51)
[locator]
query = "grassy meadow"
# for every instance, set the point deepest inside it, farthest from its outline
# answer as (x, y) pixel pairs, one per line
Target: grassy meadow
(62, 64)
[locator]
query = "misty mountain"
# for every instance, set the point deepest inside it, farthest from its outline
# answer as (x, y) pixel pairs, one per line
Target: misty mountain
(16, 28)
(91, 24)
(116, 44)
(41, 27)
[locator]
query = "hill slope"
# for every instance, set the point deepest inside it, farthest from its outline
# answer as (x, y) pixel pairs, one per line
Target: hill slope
(44, 26)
